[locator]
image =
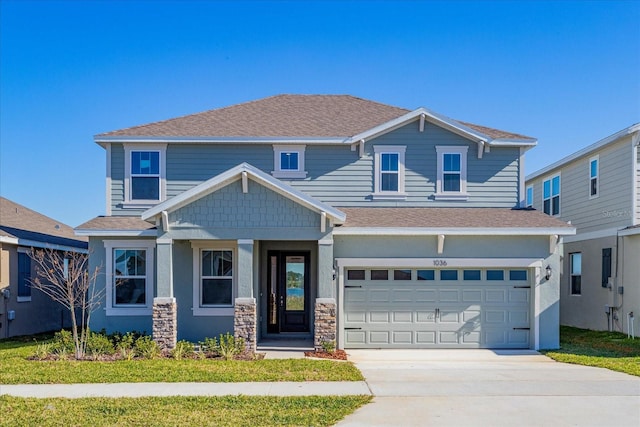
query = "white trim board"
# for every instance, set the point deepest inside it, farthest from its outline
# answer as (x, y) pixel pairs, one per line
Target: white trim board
(438, 262)
(116, 233)
(480, 231)
(41, 245)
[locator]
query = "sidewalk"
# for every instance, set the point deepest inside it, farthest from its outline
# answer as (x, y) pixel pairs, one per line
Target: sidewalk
(316, 388)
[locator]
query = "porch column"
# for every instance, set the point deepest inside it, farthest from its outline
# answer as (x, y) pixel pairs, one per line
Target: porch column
(245, 320)
(165, 314)
(325, 310)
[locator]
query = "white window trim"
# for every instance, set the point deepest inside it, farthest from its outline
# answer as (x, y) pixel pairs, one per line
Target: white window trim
(451, 195)
(197, 247)
(597, 159)
(288, 174)
(526, 194)
(137, 204)
(147, 245)
(378, 194)
(550, 179)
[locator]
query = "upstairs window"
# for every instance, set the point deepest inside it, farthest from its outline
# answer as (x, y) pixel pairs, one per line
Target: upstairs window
(529, 201)
(451, 181)
(551, 196)
(389, 172)
(288, 161)
(145, 175)
(593, 177)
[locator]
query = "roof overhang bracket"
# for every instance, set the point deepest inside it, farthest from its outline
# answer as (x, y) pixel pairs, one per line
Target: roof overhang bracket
(360, 146)
(423, 116)
(553, 243)
(635, 139)
(165, 220)
(245, 182)
(323, 222)
(481, 148)
(440, 244)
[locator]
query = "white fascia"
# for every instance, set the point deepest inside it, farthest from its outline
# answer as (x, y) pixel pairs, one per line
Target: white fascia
(480, 231)
(585, 151)
(103, 140)
(116, 233)
(629, 232)
(41, 245)
(9, 240)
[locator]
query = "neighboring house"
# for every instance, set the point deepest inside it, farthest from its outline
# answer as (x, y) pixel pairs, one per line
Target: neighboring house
(330, 217)
(24, 310)
(597, 189)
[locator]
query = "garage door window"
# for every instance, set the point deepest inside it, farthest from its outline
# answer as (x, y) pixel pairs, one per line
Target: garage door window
(518, 275)
(448, 274)
(401, 274)
(495, 274)
(379, 274)
(355, 274)
(471, 274)
(426, 275)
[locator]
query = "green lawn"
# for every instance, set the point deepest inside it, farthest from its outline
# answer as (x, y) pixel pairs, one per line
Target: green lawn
(172, 411)
(16, 369)
(611, 350)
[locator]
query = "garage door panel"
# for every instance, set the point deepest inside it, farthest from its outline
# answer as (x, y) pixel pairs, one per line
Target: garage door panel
(474, 295)
(470, 313)
(402, 337)
(496, 295)
(402, 317)
(449, 295)
(379, 316)
(426, 295)
(426, 316)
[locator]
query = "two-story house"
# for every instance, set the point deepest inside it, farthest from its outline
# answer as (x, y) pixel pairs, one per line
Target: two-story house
(23, 310)
(597, 189)
(330, 217)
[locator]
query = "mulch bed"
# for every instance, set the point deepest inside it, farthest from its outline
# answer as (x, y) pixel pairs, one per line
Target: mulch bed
(335, 355)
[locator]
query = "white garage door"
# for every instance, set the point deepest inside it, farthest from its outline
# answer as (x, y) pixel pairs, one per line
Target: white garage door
(437, 308)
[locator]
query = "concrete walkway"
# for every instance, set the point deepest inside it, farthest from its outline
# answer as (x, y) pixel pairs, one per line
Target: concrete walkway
(316, 388)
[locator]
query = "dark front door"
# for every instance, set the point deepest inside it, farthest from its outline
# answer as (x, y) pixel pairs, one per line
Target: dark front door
(288, 291)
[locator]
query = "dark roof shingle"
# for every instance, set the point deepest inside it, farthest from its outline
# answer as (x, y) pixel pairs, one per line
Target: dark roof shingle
(288, 116)
(23, 223)
(450, 218)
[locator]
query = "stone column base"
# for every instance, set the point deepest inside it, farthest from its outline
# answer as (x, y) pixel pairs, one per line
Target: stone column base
(325, 323)
(165, 322)
(245, 322)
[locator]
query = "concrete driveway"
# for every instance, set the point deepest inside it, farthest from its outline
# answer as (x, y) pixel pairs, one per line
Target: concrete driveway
(490, 388)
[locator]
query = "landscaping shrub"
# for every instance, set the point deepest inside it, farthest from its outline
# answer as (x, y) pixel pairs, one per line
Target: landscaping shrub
(229, 346)
(147, 348)
(99, 344)
(182, 349)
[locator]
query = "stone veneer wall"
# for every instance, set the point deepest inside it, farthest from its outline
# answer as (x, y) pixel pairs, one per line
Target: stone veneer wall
(245, 322)
(325, 322)
(165, 322)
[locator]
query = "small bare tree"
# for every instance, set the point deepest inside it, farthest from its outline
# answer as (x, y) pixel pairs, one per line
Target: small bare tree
(65, 277)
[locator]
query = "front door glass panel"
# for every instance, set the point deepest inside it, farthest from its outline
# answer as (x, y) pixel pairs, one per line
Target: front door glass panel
(295, 275)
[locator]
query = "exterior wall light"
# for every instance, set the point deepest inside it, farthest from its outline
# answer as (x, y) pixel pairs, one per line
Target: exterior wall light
(548, 272)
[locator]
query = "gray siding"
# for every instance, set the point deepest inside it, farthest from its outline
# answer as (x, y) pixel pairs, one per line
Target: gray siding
(259, 214)
(612, 208)
(338, 176)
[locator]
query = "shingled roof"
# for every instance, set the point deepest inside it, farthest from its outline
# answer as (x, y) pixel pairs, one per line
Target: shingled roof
(22, 223)
(289, 116)
(451, 218)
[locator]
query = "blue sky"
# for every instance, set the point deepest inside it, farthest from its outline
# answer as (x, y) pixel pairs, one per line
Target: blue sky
(565, 72)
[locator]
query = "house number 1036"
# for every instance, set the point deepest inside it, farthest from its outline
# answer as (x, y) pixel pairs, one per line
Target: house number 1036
(439, 263)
